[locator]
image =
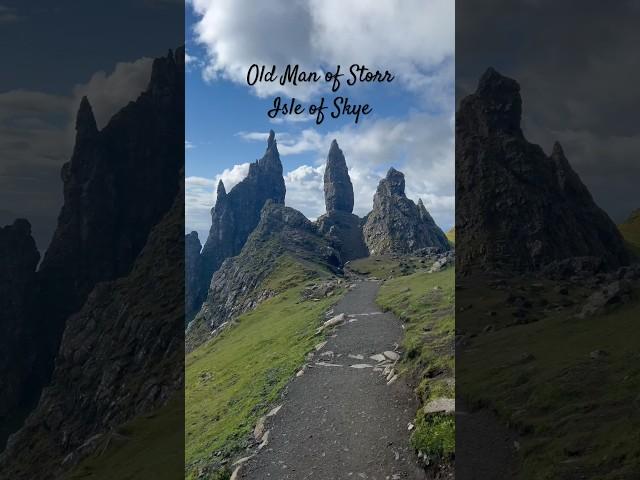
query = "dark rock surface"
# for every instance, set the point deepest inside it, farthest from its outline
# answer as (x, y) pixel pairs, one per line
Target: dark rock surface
(344, 230)
(237, 286)
(338, 190)
(120, 182)
(20, 258)
(396, 224)
(192, 266)
(518, 208)
(234, 217)
(121, 355)
(339, 224)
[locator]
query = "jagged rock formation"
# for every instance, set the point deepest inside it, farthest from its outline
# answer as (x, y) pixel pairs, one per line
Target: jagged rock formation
(339, 223)
(234, 217)
(338, 190)
(238, 285)
(120, 182)
(17, 279)
(518, 208)
(396, 224)
(192, 248)
(121, 355)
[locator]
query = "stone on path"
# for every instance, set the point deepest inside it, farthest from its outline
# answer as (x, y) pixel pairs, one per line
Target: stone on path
(391, 355)
(361, 365)
(378, 357)
(338, 319)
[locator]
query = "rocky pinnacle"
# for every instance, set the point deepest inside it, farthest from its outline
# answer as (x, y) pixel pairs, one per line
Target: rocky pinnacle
(396, 224)
(338, 190)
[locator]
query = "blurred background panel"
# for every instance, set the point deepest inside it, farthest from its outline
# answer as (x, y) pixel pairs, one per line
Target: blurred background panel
(91, 249)
(547, 239)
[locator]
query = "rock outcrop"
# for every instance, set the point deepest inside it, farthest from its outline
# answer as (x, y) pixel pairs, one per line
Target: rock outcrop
(20, 258)
(518, 208)
(234, 217)
(338, 190)
(120, 182)
(238, 286)
(122, 355)
(396, 224)
(339, 223)
(192, 248)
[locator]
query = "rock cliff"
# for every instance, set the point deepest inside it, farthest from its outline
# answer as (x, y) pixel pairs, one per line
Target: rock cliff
(238, 286)
(518, 208)
(120, 182)
(396, 224)
(234, 217)
(20, 258)
(339, 223)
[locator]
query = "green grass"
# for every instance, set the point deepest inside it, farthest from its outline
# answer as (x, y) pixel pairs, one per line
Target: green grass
(387, 266)
(573, 413)
(451, 235)
(150, 446)
(631, 232)
(425, 302)
(232, 380)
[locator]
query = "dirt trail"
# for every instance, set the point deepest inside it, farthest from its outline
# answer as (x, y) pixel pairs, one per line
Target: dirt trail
(341, 422)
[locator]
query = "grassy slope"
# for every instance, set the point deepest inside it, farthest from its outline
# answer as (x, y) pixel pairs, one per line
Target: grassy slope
(451, 235)
(575, 414)
(631, 232)
(387, 266)
(150, 446)
(425, 301)
(235, 378)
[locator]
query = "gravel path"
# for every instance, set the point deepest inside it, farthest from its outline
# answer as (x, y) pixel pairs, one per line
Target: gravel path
(341, 422)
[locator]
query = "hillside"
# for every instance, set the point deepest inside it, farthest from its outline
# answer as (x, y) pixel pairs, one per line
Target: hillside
(236, 377)
(630, 230)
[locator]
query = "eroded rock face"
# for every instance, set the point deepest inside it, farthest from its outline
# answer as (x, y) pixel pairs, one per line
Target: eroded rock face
(339, 224)
(234, 217)
(338, 190)
(237, 286)
(518, 208)
(120, 182)
(121, 355)
(17, 280)
(396, 224)
(192, 247)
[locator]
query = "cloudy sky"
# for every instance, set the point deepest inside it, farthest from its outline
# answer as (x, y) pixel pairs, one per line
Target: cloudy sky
(411, 127)
(579, 72)
(58, 52)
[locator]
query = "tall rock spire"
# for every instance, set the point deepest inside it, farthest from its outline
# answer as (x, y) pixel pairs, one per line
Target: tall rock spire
(86, 126)
(233, 219)
(517, 208)
(338, 190)
(396, 224)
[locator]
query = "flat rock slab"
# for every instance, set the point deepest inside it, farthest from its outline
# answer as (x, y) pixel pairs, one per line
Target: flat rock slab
(344, 422)
(440, 405)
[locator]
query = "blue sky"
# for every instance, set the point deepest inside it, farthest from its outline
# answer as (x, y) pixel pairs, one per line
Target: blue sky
(410, 128)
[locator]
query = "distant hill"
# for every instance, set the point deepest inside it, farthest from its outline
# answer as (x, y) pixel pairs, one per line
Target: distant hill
(630, 230)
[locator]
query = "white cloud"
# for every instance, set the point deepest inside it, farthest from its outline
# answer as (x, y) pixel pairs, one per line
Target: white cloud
(188, 145)
(108, 93)
(305, 190)
(200, 197)
(413, 38)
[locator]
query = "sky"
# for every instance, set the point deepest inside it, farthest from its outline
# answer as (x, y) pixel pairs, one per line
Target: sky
(410, 127)
(579, 72)
(58, 52)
